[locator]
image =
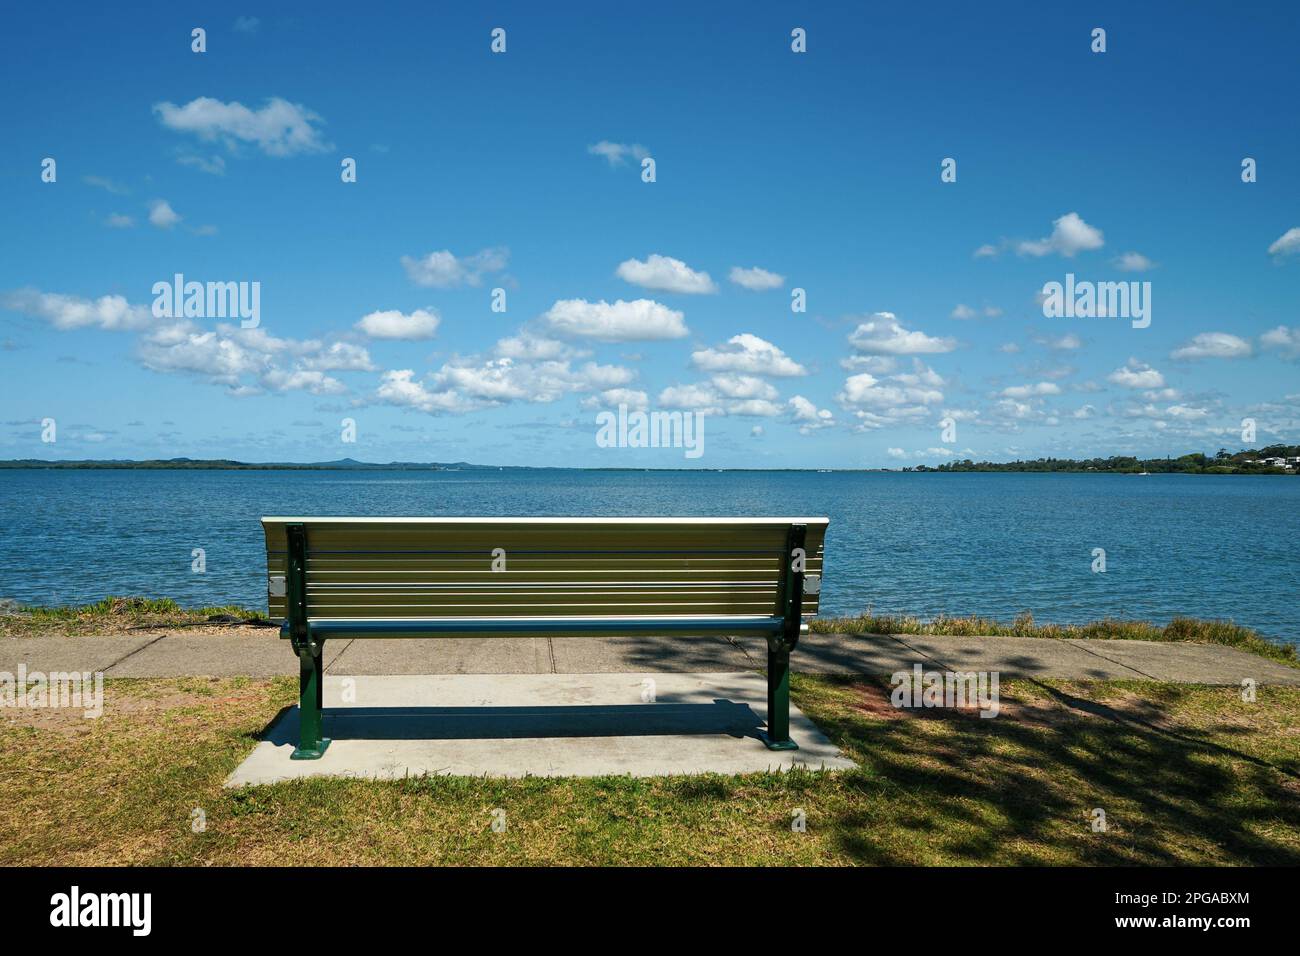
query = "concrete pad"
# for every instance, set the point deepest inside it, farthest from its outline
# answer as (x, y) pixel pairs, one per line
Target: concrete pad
(1195, 663)
(210, 655)
(61, 653)
(462, 655)
(875, 654)
(515, 725)
(635, 654)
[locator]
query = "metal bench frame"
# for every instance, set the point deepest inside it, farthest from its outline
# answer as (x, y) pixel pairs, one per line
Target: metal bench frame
(308, 636)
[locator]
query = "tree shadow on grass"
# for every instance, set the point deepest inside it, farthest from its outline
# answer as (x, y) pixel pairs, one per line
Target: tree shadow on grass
(946, 786)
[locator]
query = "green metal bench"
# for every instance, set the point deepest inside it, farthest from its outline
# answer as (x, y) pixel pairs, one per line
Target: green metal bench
(496, 577)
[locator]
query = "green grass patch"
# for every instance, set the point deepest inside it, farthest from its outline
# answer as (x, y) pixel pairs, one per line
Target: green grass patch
(1179, 629)
(116, 614)
(1185, 775)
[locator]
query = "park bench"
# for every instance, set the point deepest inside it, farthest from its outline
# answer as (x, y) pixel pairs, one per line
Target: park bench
(496, 577)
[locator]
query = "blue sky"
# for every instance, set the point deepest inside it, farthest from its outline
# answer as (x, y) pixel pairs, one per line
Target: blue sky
(479, 171)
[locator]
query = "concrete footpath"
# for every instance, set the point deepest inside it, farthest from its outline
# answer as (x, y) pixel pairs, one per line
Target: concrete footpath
(224, 652)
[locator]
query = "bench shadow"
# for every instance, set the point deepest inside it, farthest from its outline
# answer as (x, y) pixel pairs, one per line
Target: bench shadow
(499, 723)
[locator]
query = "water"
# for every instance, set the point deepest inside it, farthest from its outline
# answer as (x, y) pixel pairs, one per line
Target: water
(924, 544)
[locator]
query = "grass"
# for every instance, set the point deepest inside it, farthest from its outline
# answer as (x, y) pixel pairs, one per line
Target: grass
(115, 614)
(1179, 629)
(1185, 774)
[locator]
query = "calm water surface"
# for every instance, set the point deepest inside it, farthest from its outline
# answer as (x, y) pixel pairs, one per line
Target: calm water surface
(924, 544)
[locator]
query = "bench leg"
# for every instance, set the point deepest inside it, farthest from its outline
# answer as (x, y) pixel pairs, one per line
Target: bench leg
(778, 702)
(311, 739)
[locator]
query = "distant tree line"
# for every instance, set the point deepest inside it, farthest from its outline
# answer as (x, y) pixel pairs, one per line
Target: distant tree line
(1275, 460)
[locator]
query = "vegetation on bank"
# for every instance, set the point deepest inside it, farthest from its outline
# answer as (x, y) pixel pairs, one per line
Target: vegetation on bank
(1179, 629)
(1251, 461)
(116, 614)
(1185, 775)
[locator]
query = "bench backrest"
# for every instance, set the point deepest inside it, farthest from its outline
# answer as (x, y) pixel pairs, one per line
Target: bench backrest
(422, 568)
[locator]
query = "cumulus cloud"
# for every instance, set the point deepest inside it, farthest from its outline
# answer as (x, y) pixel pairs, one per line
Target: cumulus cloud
(665, 274)
(109, 312)
(1285, 341)
(744, 387)
(807, 415)
(616, 154)
(443, 270)
(883, 334)
(1070, 236)
(162, 215)
(755, 279)
(1286, 244)
(747, 354)
(1033, 390)
(620, 321)
(468, 383)
(1213, 345)
(392, 324)
(1133, 262)
(279, 128)
(1136, 374)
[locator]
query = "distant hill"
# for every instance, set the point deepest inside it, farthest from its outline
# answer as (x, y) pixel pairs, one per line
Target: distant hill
(232, 465)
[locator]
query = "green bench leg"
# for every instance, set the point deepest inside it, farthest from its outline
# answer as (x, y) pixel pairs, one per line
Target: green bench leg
(311, 685)
(777, 736)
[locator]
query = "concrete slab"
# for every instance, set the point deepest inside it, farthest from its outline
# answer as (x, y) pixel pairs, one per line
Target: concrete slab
(519, 725)
(1021, 657)
(633, 654)
(211, 655)
(68, 653)
(466, 655)
(1194, 663)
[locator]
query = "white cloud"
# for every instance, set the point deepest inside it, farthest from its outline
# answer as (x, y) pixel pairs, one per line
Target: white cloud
(747, 354)
(213, 165)
(756, 279)
(228, 355)
(617, 153)
(443, 270)
(620, 321)
(1133, 262)
(162, 215)
(808, 416)
(1286, 244)
(110, 312)
(279, 128)
(1070, 236)
(338, 356)
(883, 334)
(1031, 391)
(613, 397)
(744, 386)
(119, 221)
(697, 397)
(1213, 345)
(986, 251)
(665, 274)
(963, 312)
(1084, 411)
(247, 24)
(1286, 341)
(1066, 343)
(1136, 374)
(105, 183)
(530, 347)
(392, 324)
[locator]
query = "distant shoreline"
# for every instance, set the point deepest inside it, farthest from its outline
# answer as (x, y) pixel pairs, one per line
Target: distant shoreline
(1272, 460)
